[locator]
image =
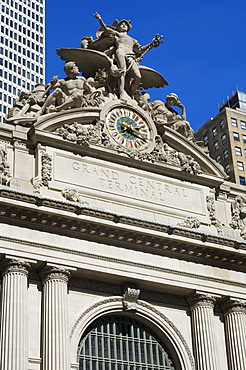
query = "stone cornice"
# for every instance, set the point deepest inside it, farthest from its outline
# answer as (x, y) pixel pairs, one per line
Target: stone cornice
(39, 212)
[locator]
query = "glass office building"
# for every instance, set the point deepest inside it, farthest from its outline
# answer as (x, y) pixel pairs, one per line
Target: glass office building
(22, 49)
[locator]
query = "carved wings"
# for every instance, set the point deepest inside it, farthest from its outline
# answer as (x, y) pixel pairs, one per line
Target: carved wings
(89, 61)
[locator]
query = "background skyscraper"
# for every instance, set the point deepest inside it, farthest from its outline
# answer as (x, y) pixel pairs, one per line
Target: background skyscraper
(22, 49)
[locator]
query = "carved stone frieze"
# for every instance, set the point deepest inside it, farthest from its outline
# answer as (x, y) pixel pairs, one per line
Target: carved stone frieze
(46, 170)
(130, 298)
(212, 216)
(190, 222)
(238, 212)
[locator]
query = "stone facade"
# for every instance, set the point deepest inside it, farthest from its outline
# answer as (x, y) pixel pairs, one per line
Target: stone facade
(94, 228)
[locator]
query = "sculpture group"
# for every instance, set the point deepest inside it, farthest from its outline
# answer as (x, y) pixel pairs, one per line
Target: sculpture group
(111, 70)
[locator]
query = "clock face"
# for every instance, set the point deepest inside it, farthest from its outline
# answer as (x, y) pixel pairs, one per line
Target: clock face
(128, 128)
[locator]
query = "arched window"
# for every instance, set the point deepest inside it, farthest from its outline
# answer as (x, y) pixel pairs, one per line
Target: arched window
(116, 342)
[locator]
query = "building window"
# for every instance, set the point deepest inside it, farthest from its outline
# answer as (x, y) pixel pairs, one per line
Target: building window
(244, 138)
(218, 159)
(242, 180)
(222, 125)
(234, 122)
(243, 125)
(214, 131)
(223, 139)
(205, 140)
(227, 168)
(236, 136)
(120, 342)
(216, 145)
(240, 166)
(238, 150)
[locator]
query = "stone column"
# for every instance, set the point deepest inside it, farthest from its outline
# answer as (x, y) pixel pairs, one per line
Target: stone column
(235, 332)
(201, 306)
(54, 315)
(13, 332)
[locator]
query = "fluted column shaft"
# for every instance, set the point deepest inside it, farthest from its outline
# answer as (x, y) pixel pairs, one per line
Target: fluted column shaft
(55, 327)
(13, 333)
(201, 306)
(235, 332)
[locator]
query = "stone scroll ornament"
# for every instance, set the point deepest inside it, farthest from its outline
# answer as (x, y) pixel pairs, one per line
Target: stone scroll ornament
(238, 212)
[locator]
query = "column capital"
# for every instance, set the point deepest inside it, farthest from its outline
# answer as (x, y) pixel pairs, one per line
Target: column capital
(231, 305)
(201, 299)
(10, 264)
(55, 272)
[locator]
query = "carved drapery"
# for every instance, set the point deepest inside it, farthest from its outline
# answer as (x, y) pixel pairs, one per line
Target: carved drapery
(201, 306)
(235, 332)
(55, 328)
(13, 334)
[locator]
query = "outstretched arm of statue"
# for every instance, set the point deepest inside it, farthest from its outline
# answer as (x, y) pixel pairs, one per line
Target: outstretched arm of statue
(102, 24)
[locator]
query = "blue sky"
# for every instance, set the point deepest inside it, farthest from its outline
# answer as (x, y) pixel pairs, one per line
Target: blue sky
(203, 56)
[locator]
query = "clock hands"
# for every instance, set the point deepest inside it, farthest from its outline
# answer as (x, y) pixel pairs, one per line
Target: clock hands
(133, 131)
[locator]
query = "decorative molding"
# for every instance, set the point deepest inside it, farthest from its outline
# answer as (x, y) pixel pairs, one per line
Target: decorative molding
(141, 304)
(201, 300)
(212, 216)
(46, 170)
(130, 298)
(115, 289)
(190, 222)
(91, 229)
(84, 134)
(164, 317)
(91, 308)
(230, 305)
(15, 265)
(54, 273)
